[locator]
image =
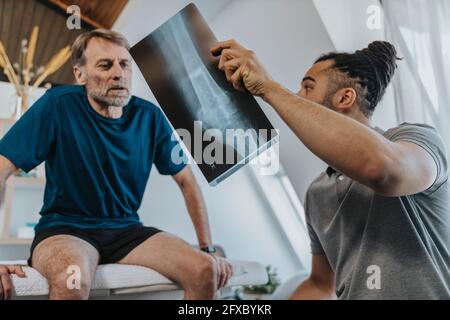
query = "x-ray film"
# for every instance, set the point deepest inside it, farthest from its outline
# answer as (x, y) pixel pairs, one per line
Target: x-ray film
(222, 128)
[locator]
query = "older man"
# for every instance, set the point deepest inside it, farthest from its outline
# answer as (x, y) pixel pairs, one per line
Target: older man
(99, 144)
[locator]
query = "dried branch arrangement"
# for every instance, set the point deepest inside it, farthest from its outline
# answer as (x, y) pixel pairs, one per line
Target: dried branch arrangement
(22, 74)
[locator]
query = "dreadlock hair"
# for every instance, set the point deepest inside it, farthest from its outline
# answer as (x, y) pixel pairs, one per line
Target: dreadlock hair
(368, 71)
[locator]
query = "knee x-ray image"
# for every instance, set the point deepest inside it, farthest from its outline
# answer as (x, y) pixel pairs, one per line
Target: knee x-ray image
(226, 128)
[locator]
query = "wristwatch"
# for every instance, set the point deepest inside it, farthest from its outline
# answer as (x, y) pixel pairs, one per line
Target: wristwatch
(208, 249)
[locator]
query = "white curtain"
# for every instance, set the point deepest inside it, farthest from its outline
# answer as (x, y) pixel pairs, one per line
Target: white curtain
(420, 29)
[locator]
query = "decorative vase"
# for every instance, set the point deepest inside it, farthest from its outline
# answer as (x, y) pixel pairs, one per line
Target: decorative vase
(18, 112)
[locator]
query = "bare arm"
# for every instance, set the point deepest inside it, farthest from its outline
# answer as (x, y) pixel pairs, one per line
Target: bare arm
(345, 144)
(6, 169)
(6, 285)
(195, 205)
(353, 148)
(199, 216)
(319, 285)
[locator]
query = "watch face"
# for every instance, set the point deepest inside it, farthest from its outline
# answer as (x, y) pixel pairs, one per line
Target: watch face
(209, 249)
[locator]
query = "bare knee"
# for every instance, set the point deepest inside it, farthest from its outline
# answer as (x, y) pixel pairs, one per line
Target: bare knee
(205, 273)
(69, 287)
(68, 264)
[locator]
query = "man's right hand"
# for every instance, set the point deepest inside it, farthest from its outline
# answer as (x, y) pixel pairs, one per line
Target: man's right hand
(5, 279)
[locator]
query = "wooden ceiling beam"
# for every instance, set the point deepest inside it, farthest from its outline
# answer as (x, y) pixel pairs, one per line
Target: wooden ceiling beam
(84, 18)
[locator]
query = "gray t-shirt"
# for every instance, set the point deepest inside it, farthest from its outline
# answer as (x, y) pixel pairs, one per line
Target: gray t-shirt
(385, 247)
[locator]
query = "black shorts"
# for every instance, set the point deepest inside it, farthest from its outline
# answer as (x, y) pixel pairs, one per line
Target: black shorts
(112, 244)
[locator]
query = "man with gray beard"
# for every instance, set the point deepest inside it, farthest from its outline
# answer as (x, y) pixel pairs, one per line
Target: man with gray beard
(99, 143)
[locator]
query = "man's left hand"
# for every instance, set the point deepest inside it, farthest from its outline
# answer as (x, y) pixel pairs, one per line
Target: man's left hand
(242, 68)
(224, 271)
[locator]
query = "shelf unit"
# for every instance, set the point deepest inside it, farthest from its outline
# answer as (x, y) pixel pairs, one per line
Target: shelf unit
(15, 241)
(12, 183)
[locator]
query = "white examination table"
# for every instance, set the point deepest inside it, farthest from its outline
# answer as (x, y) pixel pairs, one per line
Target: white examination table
(115, 281)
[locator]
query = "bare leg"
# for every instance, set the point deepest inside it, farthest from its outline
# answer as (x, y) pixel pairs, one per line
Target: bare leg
(194, 270)
(53, 257)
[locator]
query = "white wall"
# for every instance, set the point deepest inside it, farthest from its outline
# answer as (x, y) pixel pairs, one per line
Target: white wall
(346, 24)
(140, 17)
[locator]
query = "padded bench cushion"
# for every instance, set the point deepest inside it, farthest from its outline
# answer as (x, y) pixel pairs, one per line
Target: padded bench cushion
(126, 278)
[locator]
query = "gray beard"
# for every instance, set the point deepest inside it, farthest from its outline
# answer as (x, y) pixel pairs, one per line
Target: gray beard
(118, 101)
(100, 94)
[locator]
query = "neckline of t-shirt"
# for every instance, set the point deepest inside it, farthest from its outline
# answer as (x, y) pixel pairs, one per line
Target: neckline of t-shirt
(91, 109)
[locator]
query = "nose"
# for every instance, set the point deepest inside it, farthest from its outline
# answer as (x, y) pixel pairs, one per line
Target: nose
(117, 71)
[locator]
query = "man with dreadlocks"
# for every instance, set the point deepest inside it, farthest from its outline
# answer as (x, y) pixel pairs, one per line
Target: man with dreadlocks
(379, 217)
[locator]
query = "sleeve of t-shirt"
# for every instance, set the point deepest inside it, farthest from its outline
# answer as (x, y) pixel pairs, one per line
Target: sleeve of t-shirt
(170, 158)
(31, 139)
(429, 139)
(316, 246)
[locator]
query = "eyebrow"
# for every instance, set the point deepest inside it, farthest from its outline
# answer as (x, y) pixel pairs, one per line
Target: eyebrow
(308, 78)
(110, 60)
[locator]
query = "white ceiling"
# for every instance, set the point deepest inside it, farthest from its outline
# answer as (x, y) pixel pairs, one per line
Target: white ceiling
(140, 17)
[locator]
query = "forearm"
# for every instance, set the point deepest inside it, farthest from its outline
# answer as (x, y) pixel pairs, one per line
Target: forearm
(344, 143)
(2, 189)
(311, 290)
(197, 211)
(6, 170)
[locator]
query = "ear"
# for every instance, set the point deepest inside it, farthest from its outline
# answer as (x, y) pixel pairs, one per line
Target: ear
(80, 74)
(344, 99)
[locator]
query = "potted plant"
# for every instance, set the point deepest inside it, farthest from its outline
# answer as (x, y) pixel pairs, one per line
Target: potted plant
(262, 292)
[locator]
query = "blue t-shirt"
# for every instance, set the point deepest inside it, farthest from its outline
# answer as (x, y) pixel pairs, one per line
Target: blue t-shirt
(96, 167)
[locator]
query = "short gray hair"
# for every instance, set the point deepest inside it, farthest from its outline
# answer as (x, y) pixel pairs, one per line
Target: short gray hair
(81, 42)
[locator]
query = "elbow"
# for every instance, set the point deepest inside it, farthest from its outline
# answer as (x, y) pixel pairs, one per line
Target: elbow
(4, 175)
(325, 285)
